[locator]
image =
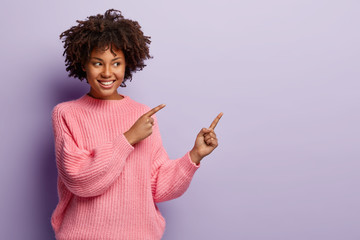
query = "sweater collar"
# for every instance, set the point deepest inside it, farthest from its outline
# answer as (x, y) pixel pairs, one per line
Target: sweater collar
(104, 104)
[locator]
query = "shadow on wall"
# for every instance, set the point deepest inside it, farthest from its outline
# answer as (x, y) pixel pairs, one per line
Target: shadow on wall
(62, 89)
(66, 89)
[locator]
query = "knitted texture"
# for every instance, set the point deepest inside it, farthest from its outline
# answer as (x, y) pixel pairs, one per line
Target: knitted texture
(108, 189)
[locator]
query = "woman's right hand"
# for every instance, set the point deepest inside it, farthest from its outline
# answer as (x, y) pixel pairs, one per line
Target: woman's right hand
(142, 128)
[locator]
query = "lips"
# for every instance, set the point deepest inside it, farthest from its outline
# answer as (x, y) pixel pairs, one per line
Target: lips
(106, 84)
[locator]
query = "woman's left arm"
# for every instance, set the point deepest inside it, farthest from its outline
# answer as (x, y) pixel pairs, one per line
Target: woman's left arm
(171, 178)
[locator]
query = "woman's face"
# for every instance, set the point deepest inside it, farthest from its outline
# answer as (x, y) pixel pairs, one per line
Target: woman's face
(105, 73)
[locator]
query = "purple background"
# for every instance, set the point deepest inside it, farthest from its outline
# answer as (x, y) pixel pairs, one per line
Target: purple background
(284, 72)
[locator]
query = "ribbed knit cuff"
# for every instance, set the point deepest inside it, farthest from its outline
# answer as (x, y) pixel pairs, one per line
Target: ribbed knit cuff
(122, 149)
(188, 167)
(196, 165)
(122, 146)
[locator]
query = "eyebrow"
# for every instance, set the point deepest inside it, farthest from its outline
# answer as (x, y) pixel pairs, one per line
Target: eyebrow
(103, 60)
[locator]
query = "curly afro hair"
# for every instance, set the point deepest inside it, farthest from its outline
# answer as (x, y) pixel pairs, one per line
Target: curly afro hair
(110, 30)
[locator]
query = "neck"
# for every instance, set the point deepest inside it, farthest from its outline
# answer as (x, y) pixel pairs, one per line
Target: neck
(113, 97)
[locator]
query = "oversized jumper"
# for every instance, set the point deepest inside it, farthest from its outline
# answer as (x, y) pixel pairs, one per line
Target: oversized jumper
(112, 166)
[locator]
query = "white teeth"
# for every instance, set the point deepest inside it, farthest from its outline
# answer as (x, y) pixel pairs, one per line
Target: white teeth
(107, 83)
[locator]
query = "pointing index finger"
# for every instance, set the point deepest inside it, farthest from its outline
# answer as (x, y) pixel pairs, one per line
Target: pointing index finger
(155, 110)
(216, 120)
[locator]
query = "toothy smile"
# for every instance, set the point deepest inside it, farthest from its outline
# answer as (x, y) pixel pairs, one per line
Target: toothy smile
(106, 83)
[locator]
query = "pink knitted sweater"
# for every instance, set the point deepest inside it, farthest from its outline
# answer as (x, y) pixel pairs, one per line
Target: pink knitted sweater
(107, 188)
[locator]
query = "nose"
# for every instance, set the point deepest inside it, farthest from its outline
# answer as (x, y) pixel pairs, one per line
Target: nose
(106, 73)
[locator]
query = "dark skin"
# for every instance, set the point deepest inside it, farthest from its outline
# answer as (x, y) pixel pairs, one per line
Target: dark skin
(205, 142)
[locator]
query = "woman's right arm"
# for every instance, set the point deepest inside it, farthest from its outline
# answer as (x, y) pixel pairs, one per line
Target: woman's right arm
(87, 173)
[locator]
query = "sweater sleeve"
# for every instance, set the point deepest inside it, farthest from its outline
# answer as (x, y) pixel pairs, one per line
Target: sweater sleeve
(87, 173)
(170, 178)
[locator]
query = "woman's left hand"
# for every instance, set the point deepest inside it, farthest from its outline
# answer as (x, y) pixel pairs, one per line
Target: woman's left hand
(206, 141)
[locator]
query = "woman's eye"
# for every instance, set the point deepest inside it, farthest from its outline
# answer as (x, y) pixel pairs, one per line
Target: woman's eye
(97, 64)
(116, 64)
